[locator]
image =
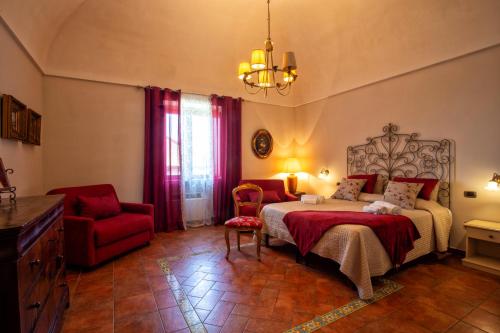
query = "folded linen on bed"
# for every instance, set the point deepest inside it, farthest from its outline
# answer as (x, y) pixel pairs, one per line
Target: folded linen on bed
(391, 208)
(312, 199)
(375, 209)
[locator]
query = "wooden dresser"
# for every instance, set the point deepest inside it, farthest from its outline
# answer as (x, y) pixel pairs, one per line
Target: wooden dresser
(33, 289)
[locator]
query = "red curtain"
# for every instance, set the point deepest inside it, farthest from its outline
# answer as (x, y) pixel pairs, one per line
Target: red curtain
(226, 112)
(162, 162)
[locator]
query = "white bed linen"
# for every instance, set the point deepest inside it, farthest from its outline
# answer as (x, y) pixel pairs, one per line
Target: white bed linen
(355, 247)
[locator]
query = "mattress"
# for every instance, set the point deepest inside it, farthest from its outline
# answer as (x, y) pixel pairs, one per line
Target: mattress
(356, 248)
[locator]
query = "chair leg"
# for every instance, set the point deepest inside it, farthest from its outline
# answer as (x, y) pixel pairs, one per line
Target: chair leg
(238, 237)
(226, 235)
(259, 240)
(266, 239)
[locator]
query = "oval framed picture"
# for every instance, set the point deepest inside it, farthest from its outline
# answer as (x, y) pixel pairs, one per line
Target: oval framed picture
(262, 143)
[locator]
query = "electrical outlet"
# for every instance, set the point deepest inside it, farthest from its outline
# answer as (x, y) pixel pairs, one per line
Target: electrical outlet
(470, 194)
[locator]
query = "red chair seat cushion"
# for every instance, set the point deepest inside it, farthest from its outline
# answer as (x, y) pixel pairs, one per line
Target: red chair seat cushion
(244, 222)
(122, 226)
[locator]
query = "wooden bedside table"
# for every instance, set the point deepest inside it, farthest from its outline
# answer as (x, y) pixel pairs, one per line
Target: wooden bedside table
(483, 246)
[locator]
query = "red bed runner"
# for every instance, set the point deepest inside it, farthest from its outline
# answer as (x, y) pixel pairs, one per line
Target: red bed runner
(396, 232)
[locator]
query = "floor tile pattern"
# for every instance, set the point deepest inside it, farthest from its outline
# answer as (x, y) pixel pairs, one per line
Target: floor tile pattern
(133, 294)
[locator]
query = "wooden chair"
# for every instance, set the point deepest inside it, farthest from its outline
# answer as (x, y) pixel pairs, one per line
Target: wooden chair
(245, 223)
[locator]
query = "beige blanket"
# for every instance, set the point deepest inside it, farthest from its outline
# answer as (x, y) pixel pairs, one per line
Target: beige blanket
(356, 248)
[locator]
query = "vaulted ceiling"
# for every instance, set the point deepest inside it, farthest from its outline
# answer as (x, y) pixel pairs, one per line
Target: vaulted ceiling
(196, 45)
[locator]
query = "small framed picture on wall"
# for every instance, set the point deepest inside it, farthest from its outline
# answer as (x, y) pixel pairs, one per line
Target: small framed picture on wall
(14, 118)
(34, 127)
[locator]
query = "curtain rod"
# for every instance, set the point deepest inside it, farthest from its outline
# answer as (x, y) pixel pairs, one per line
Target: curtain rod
(120, 84)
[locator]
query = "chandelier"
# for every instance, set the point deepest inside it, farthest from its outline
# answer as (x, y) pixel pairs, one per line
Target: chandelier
(261, 73)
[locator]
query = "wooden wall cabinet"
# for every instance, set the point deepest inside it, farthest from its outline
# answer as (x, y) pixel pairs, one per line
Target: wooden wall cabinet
(33, 289)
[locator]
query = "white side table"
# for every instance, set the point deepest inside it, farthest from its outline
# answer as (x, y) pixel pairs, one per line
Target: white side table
(483, 246)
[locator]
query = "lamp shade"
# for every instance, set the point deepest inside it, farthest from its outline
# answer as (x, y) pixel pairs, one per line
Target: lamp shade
(289, 61)
(494, 183)
(258, 59)
(289, 77)
(243, 69)
(265, 79)
(292, 165)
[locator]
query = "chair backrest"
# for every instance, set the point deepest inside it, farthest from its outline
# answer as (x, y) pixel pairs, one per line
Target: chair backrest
(70, 200)
(239, 202)
(267, 185)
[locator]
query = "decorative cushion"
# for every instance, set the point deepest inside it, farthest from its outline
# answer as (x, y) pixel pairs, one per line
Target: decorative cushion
(349, 189)
(401, 194)
(427, 189)
(99, 207)
(381, 184)
(268, 196)
(371, 180)
(244, 222)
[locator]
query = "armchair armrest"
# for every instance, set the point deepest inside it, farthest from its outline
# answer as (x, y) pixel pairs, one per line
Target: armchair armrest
(79, 240)
(138, 208)
(290, 197)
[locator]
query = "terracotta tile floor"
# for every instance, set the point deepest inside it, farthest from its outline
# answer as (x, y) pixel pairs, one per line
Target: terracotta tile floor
(131, 293)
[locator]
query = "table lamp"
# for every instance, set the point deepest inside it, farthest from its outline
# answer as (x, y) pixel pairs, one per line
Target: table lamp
(291, 167)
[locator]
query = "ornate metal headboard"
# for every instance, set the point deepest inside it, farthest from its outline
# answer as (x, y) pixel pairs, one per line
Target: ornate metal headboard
(394, 154)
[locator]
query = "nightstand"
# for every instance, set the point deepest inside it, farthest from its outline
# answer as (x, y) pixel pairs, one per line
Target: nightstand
(483, 246)
(299, 194)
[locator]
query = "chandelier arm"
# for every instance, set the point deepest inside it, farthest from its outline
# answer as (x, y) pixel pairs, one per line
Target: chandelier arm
(248, 87)
(282, 91)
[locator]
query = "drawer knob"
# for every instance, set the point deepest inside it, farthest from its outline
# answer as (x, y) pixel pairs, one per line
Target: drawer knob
(490, 236)
(36, 305)
(35, 262)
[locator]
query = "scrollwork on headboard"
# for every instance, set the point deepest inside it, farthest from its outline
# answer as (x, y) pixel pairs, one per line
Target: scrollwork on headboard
(405, 155)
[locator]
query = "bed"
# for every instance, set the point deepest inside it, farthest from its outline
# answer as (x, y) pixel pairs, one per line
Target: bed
(355, 247)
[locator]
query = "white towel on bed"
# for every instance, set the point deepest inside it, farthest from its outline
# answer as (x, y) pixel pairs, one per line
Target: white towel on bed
(312, 199)
(391, 208)
(375, 209)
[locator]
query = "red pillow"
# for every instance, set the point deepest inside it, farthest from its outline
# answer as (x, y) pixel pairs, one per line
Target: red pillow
(99, 207)
(426, 191)
(371, 180)
(268, 197)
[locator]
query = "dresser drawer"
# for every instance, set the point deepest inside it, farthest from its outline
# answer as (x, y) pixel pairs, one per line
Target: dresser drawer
(483, 234)
(29, 268)
(30, 309)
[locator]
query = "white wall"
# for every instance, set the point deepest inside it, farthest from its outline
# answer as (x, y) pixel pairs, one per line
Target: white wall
(458, 100)
(20, 78)
(94, 133)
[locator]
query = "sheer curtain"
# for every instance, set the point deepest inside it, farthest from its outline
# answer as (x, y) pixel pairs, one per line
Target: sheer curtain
(197, 160)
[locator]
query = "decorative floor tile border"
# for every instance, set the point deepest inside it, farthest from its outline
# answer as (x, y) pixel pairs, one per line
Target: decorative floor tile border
(193, 321)
(196, 326)
(328, 318)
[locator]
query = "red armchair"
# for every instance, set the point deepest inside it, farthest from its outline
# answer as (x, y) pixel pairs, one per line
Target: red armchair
(89, 242)
(266, 185)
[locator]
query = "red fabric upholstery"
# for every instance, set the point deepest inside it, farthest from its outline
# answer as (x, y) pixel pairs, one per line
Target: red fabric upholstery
(268, 197)
(244, 222)
(267, 185)
(99, 207)
(119, 227)
(89, 242)
(426, 191)
(371, 180)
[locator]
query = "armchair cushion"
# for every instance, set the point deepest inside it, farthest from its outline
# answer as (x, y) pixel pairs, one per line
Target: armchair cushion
(122, 226)
(99, 207)
(268, 197)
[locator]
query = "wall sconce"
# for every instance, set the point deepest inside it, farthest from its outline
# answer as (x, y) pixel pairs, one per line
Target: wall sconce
(494, 183)
(323, 174)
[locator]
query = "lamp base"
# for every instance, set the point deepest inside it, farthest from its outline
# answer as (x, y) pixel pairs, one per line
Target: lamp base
(291, 182)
